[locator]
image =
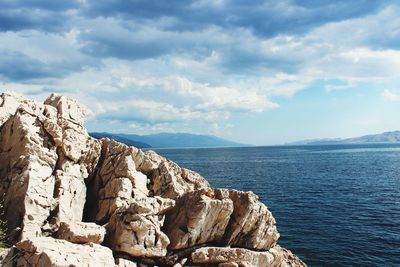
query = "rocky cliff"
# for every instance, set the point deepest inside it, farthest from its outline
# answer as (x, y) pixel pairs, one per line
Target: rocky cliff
(72, 200)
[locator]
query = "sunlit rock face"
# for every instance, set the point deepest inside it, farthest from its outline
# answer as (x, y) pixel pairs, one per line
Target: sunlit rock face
(72, 200)
(224, 256)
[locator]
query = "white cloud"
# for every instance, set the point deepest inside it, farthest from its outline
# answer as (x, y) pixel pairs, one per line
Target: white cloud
(390, 96)
(147, 73)
(131, 92)
(339, 87)
(154, 111)
(221, 97)
(146, 128)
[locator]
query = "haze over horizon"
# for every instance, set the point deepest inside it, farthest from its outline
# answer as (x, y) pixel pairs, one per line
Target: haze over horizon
(255, 72)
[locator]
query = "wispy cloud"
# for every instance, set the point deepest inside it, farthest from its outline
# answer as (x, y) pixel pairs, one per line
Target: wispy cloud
(390, 96)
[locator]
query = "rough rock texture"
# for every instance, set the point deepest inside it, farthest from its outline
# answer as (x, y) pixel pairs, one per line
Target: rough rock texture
(199, 217)
(166, 178)
(9, 103)
(124, 263)
(78, 155)
(81, 233)
(27, 160)
(252, 224)
(225, 217)
(147, 162)
(46, 251)
(171, 181)
(71, 194)
(136, 230)
(72, 200)
(45, 155)
(117, 176)
(274, 257)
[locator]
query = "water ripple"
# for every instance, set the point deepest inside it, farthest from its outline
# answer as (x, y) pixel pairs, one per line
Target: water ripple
(334, 205)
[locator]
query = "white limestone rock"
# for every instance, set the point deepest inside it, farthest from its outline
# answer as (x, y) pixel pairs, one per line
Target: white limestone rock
(119, 163)
(136, 230)
(52, 172)
(147, 162)
(252, 224)
(71, 196)
(198, 217)
(116, 178)
(67, 108)
(225, 217)
(44, 159)
(81, 233)
(116, 194)
(171, 181)
(47, 251)
(167, 179)
(225, 256)
(65, 125)
(10, 102)
(120, 262)
(27, 160)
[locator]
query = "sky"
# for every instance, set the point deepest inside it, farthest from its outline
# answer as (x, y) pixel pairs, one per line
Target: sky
(256, 72)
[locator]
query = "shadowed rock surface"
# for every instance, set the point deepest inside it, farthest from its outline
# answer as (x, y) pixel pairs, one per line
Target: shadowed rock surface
(72, 200)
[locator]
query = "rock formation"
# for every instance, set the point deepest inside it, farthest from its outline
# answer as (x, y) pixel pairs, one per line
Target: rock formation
(72, 200)
(275, 256)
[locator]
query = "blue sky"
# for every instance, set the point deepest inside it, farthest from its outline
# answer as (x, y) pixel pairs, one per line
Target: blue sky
(259, 72)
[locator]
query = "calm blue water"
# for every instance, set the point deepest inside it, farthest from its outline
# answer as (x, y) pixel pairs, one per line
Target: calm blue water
(335, 205)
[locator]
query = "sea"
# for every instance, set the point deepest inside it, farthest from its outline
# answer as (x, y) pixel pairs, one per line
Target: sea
(335, 205)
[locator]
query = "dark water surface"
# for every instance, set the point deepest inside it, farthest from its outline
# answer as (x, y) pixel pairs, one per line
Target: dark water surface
(336, 205)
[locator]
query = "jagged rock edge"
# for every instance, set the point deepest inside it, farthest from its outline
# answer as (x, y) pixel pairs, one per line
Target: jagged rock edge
(176, 193)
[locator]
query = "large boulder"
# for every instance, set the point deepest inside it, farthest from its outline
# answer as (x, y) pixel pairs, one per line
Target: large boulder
(119, 162)
(147, 162)
(116, 194)
(171, 181)
(68, 108)
(78, 156)
(252, 224)
(65, 125)
(116, 178)
(225, 256)
(167, 179)
(81, 233)
(70, 193)
(27, 160)
(120, 262)
(199, 217)
(47, 251)
(9, 103)
(136, 230)
(45, 156)
(226, 217)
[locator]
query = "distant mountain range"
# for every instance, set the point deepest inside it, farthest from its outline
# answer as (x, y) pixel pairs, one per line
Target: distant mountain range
(168, 140)
(121, 139)
(386, 137)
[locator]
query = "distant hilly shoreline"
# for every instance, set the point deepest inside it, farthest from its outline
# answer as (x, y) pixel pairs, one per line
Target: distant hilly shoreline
(186, 140)
(168, 140)
(386, 137)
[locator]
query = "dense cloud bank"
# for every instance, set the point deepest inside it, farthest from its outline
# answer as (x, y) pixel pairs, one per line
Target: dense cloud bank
(208, 61)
